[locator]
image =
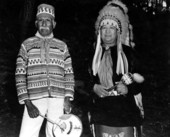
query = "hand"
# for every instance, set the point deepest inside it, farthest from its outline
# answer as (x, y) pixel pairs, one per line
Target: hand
(32, 109)
(100, 90)
(67, 105)
(121, 88)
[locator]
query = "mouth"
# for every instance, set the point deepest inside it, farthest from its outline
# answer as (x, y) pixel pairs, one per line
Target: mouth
(107, 35)
(44, 28)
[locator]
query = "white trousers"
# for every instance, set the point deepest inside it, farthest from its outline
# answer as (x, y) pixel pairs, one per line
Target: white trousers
(51, 107)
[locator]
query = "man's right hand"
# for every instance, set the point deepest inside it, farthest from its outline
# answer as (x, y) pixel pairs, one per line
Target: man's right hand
(100, 90)
(32, 109)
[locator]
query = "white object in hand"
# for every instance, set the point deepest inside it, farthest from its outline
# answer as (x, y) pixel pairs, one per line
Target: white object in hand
(138, 78)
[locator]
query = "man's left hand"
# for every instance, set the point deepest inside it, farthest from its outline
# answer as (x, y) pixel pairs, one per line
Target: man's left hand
(67, 105)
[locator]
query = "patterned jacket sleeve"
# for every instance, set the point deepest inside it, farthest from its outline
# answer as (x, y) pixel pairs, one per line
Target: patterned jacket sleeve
(20, 75)
(69, 75)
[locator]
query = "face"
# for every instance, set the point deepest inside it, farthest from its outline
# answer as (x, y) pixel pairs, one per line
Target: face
(45, 25)
(108, 34)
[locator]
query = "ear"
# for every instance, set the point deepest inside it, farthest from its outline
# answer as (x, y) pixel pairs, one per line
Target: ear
(54, 24)
(36, 23)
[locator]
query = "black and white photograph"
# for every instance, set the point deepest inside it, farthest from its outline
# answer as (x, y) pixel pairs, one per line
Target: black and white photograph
(84, 68)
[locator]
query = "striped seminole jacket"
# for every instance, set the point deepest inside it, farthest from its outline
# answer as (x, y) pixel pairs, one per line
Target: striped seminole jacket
(43, 69)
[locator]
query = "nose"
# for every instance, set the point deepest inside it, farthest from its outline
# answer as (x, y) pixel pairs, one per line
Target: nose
(107, 30)
(44, 23)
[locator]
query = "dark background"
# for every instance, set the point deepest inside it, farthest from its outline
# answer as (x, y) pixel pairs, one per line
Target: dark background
(75, 25)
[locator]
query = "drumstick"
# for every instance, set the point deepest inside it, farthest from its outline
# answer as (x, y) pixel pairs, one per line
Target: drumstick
(51, 121)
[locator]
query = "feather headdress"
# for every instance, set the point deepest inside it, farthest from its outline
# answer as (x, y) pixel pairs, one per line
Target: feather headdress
(117, 11)
(113, 13)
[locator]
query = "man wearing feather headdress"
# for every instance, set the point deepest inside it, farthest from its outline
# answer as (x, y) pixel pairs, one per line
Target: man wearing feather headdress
(115, 82)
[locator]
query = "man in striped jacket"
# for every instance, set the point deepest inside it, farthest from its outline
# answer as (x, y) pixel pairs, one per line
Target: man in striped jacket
(44, 76)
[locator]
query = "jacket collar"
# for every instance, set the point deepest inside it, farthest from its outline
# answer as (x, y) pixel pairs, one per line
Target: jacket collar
(47, 37)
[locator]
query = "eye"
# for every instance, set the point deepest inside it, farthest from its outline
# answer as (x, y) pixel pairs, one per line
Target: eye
(103, 28)
(48, 20)
(113, 28)
(39, 20)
